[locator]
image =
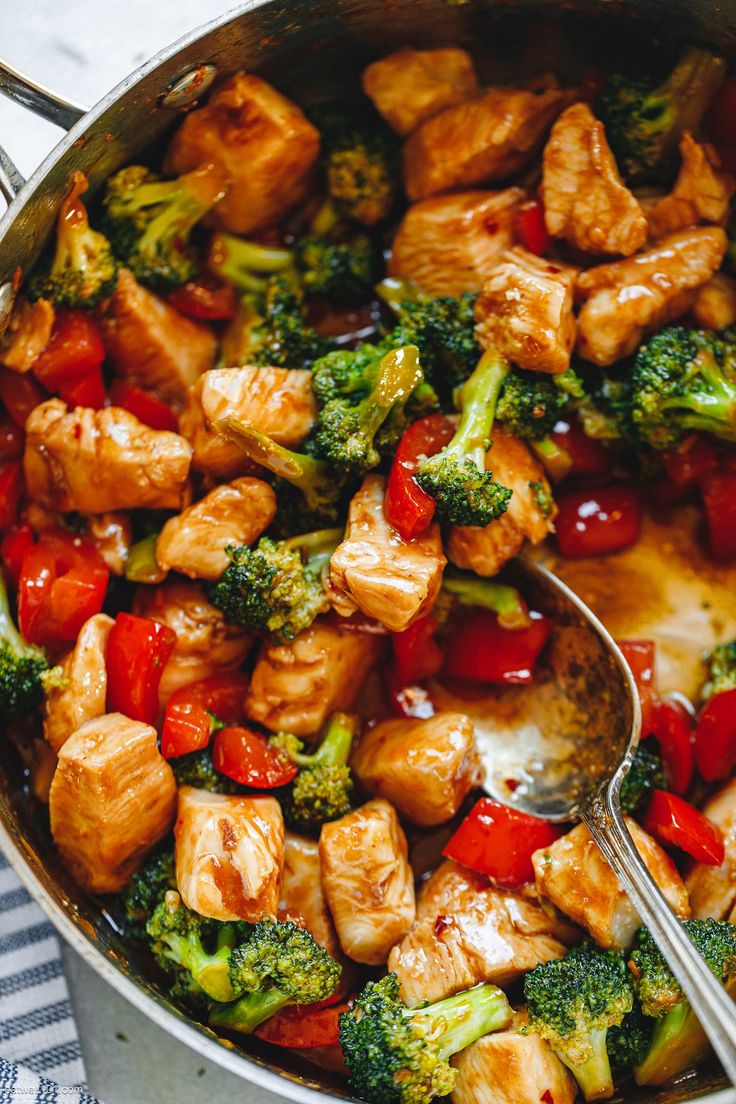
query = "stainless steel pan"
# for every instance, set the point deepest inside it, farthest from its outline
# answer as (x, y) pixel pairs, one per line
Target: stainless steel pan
(309, 49)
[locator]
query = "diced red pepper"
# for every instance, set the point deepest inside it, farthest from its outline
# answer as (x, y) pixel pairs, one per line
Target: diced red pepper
(639, 654)
(13, 548)
(598, 521)
(11, 492)
(408, 508)
(531, 229)
(210, 302)
(71, 363)
(719, 497)
(417, 654)
(673, 728)
(674, 821)
(587, 455)
(499, 841)
(303, 1027)
(20, 395)
(715, 737)
(146, 407)
(408, 701)
(12, 440)
(246, 757)
(137, 652)
(479, 648)
(63, 582)
(688, 463)
(190, 712)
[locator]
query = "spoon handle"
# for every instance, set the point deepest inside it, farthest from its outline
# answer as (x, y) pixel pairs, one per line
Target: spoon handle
(710, 1001)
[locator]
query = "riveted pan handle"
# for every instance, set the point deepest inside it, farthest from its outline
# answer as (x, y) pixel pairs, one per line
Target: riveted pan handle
(37, 98)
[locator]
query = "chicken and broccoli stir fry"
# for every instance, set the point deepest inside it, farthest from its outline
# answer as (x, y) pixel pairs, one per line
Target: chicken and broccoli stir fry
(276, 411)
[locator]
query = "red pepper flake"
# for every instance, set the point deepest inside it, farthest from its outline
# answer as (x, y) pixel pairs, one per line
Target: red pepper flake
(512, 784)
(441, 924)
(547, 1097)
(491, 226)
(553, 269)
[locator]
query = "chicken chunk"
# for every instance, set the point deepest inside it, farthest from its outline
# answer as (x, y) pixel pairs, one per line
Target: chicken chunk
(95, 461)
(410, 86)
(507, 1067)
(27, 335)
(486, 549)
(376, 571)
(194, 542)
(261, 140)
(112, 798)
(277, 401)
(482, 140)
(302, 896)
(367, 880)
(112, 536)
(715, 303)
(82, 694)
(296, 686)
(573, 874)
(525, 309)
(449, 244)
(149, 342)
(467, 932)
(585, 200)
(702, 191)
(425, 768)
(229, 854)
(626, 300)
(712, 889)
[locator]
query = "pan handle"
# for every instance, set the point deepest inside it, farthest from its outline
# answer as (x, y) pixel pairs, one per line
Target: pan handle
(37, 98)
(11, 180)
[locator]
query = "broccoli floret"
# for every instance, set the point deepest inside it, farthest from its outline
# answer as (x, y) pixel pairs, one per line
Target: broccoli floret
(149, 221)
(399, 1054)
(246, 264)
(82, 269)
(361, 165)
(678, 1041)
(348, 373)
(276, 587)
(196, 769)
(184, 940)
(530, 403)
(441, 328)
(342, 271)
(721, 669)
(465, 589)
(604, 409)
(322, 788)
(628, 1042)
(572, 1002)
(644, 121)
(647, 773)
(25, 674)
(147, 890)
(456, 477)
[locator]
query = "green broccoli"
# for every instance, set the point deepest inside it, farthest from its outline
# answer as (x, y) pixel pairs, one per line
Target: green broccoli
(184, 940)
(246, 264)
(604, 409)
(543, 498)
(147, 889)
(149, 221)
(25, 674)
(343, 271)
(399, 1054)
(628, 1042)
(361, 164)
(644, 120)
(572, 1002)
(82, 269)
(271, 328)
(647, 773)
(678, 1041)
(321, 790)
(456, 477)
(196, 769)
(721, 662)
(462, 588)
(530, 403)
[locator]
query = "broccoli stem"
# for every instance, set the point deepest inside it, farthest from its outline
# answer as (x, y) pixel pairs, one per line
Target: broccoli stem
(210, 971)
(318, 546)
(245, 263)
(503, 600)
(311, 476)
(336, 744)
(462, 1019)
(594, 1076)
(557, 461)
(394, 291)
(325, 220)
(247, 1013)
(9, 634)
(479, 397)
(678, 1041)
(141, 566)
(399, 373)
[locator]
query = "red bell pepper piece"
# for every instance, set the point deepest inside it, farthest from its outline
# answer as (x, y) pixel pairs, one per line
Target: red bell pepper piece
(20, 395)
(587, 456)
(408, 508)
(673, 728)
(531, 229)
(689, 462)
(479, 648)
(191, 710)
(14, 545)
(146, 407)
(137, 652)
(303, 1027)
(598, 521)
(246, 757)
(674, 821)
(498, 841)
(719, 498)
(12, 440)
(715, 737)
(639, 654)
(210, 302)
(71, 363)
(63, 581)
(11, 492)
(417, 655)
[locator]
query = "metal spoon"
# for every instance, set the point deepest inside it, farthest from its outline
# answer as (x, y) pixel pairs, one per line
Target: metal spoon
(581, 726)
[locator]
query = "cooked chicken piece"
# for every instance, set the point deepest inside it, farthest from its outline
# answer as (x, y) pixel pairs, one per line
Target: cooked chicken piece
(573, 874)
(112, 798)
(525, 309)
(448, 244)
(151, 343)
(715, 303)
(263, 142)
(229, 854)
(194, 542)
(712, 889)
(702, 191)
(483, 140)
(277, 401)
(509, 1068)
(27, 335)
(424, 768)
(367, 880)
(302, 897)
(467, 932)
(379, 573)
(112, 536)
(585, 200)
(411, 86)
(296, 686)
(626, 300)
(486, 549)
(95, 461)
(81, 696)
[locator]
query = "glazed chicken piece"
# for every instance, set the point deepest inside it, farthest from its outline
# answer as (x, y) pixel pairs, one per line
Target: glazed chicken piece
(626, 300)
(525, 309)
(376, 571)
(483, 140)
(486, 549)
(27, 335)
(277, 401)
(112, 536)
(509, 1068)
(295, 687)
(410, 86)
(261, 140)
(467, 932)
(229, 854)
(585, 200)
(367, 880)
(194, 542)
(82, 694)
(712, 889)
(448, 244)
(715, 303)
(702, 191)
(112, 798)
(573, 874)
(302, 896)
(150, 343)
(425, 768)
(94, 461)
